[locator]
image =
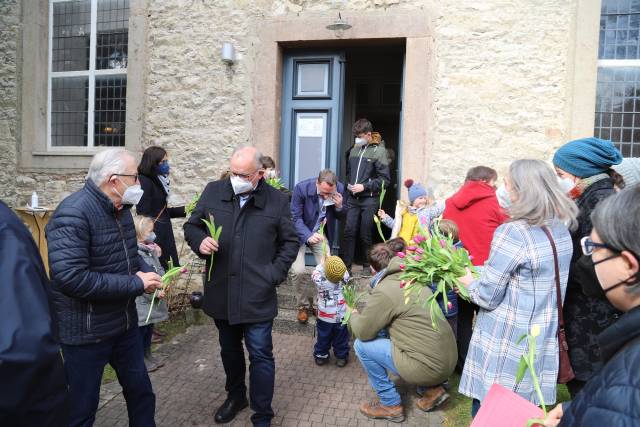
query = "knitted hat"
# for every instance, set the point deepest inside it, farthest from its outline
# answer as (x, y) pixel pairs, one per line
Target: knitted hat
(587, 157)
(416, 190)
(630, 171)
(334, 269)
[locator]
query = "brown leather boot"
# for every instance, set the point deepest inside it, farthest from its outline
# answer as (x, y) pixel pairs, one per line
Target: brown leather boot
(432, 398)
(303, 317)
(377, 410)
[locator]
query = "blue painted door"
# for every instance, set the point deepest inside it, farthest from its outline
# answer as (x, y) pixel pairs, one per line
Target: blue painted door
(312, 108)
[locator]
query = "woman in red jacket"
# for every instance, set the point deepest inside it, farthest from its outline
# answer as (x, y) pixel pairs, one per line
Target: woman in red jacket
(475, 209)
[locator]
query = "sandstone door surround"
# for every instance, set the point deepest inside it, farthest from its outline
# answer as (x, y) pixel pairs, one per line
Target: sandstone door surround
(414, 26)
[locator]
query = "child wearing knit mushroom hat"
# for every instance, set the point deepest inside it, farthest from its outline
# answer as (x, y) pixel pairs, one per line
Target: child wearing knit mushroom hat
(329, 277)
(421, 213)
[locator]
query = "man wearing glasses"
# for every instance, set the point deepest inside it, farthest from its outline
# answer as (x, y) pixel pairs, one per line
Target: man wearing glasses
(96, 276)
(250, 258)
(314, 202)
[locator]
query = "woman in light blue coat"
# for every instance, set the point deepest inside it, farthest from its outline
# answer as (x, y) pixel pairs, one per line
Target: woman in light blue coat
(517, 289)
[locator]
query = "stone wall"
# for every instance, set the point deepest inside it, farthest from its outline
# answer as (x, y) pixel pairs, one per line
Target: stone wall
(500, 85)
(9, 31)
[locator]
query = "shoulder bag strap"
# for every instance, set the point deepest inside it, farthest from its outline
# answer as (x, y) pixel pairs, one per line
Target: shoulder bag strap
(557, 274)
(160, 213)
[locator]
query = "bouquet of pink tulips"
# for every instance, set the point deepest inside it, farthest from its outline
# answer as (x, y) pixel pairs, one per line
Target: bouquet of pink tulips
(433, 260)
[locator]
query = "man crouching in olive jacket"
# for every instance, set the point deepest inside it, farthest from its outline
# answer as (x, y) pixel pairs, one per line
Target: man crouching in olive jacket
(253, 254)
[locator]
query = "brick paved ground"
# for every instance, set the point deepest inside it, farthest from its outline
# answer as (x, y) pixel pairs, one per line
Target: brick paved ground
(190, 387)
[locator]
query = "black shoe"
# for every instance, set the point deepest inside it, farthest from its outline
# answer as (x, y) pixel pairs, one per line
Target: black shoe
(321, 360)
(341, 363)
(229, 409)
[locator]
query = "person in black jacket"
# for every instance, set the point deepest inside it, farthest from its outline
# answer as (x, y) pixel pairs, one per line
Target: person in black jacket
(367, 172)
(612, 396)
(584, 164)
(33, 388)
(251, 257)
(154, 179)
(97, 275)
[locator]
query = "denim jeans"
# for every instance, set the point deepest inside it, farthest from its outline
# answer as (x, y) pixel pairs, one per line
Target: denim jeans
(84, 365)
(475, 407)
(376, 359)
(262, 368)
(330, 334)
(146, 333)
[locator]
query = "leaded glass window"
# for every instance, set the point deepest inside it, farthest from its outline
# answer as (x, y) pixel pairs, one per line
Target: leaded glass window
(88, 53)
(618, 91)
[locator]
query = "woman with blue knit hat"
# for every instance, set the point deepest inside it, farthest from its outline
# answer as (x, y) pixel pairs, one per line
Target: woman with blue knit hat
(421, 213)
(585, 164)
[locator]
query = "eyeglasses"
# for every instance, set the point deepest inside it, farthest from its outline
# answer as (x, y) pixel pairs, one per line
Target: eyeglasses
(589, 246)
(246, 176)
(134, 176)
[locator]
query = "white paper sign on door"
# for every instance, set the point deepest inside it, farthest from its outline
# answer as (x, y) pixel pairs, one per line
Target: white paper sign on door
(310, 126)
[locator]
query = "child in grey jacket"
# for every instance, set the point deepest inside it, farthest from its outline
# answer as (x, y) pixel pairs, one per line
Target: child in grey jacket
(149, 251)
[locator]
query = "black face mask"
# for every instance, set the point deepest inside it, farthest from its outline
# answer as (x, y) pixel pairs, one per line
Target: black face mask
(592, 287)
(585, 273)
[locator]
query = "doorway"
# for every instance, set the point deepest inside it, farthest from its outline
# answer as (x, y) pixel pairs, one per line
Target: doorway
(325, 89)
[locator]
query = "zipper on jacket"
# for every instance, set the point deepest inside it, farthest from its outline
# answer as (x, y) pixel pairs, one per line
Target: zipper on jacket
(359, 162)
(89, 317)
(126, 313)
(126, 254)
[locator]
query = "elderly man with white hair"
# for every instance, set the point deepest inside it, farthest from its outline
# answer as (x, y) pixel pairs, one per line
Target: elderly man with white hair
(96, 275)
(250, 258)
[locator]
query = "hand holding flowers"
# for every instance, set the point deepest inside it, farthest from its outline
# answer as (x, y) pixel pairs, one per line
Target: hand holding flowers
(167, 280)
(351, 299)
(211, 243)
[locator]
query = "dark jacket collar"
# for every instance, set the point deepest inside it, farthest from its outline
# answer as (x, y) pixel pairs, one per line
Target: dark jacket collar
(259, 194)
(97, 194)
(616, 336)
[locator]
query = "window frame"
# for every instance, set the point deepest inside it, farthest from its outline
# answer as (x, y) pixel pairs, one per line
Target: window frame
(91, 74)
(613, 64)
(33, 154)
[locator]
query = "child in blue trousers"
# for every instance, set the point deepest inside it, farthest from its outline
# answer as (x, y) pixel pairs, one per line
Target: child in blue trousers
(329, 278)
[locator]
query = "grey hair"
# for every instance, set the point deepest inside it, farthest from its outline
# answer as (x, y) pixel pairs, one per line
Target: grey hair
(106, 163)
(539, 197)
(618, 226)
(257, 158)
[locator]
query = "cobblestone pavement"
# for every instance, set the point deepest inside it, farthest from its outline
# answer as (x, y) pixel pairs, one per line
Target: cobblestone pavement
(190, 387)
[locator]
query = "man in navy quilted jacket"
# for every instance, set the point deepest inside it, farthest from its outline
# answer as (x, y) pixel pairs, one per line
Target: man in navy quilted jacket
(97, 274)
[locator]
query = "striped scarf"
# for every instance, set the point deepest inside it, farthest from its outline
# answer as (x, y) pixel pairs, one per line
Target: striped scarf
(585, 183)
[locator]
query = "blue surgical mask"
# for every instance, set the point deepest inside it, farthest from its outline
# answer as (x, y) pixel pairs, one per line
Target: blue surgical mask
(151, 237)
(163, 168)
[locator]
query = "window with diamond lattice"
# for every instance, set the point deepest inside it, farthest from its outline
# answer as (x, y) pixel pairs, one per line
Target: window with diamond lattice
(88, 54)
(618, 91)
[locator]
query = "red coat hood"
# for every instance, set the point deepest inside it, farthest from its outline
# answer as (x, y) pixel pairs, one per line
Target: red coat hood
(472, 192)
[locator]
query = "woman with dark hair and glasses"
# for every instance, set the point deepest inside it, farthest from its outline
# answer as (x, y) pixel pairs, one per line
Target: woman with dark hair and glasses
(154, 179)
(612, 396)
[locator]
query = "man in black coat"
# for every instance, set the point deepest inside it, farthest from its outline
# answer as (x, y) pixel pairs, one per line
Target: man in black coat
(97, 275)
(33, 388)
(251, 257)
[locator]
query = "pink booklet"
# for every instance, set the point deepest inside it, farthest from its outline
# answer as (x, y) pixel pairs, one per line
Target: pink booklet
(503, 408)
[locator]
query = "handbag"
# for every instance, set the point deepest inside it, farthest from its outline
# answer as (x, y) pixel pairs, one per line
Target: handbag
(565, 371)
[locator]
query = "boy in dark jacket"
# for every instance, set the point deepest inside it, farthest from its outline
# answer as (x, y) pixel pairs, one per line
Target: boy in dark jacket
(367, 173)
